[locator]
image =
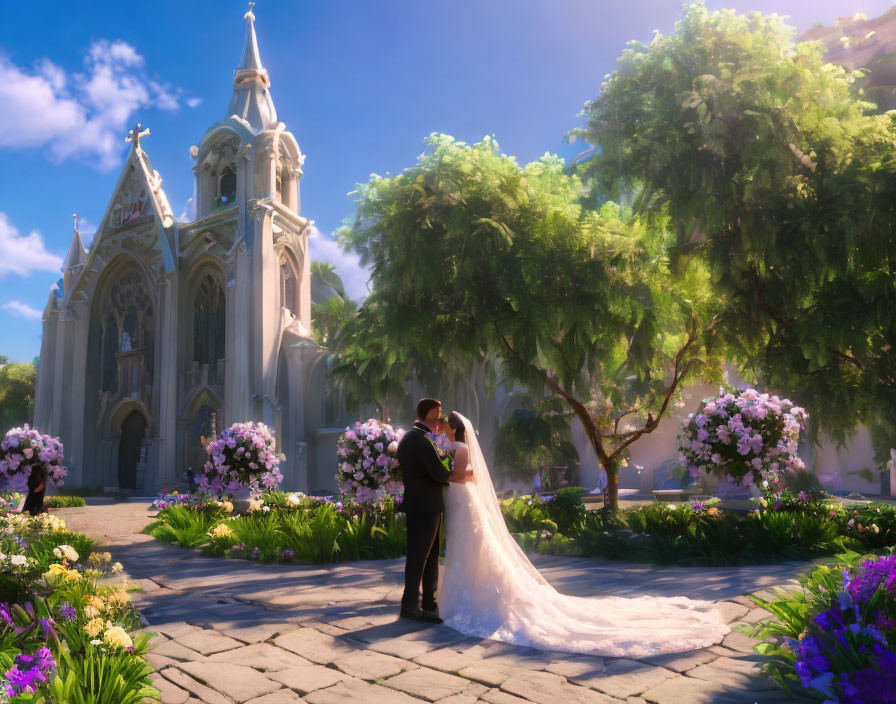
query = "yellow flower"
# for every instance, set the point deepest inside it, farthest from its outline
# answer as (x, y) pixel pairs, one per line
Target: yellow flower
(107, 557)
(117, 567)
(94, 606)
(118, 598)
(94, 627)
(222, 531)
(67, 552)
(117, 637)
(227, 506)
(255, 504)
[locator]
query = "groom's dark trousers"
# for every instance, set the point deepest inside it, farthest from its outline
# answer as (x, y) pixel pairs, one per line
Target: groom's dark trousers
(424, 477)
(423, 561)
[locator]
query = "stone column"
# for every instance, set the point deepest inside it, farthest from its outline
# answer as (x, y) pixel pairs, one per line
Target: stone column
(164, 462)
(78, 390)
(237, 394)
(45, 384)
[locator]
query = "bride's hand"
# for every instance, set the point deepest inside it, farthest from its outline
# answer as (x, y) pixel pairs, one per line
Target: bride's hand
(468, 476)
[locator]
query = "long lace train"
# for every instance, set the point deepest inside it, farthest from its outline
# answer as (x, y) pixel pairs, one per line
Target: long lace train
(491, 590)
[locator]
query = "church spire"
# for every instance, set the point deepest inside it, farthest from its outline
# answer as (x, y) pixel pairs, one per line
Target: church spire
(76, 254)
(251, 95)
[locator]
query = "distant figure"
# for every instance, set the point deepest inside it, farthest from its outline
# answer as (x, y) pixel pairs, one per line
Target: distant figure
(37, 484)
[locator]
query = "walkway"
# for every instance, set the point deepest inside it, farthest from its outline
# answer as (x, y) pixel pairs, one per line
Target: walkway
(236, 631)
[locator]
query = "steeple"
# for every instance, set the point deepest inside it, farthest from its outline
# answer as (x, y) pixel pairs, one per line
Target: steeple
(74, 259)
(76, 254)
(251, 95)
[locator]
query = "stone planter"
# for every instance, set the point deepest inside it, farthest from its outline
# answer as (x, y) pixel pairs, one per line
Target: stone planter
(735, 497)
(241, 499)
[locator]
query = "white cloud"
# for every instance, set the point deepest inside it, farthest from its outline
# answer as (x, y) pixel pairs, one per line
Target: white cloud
(22, 310)
(24, 254)
(79, 115)
(347, 264)
(194, 102)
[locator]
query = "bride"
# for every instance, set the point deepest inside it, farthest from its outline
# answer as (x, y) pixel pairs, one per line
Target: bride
(489, 588)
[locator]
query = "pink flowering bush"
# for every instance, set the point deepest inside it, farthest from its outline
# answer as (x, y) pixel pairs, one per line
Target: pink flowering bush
(367, 461)
(241, 456)
(22, 450)
(743, 437)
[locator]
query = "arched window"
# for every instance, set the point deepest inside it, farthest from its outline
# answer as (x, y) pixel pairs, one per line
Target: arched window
(227, 186)
(289, 285)
(127, 342)
(108, 352)
(208, 324)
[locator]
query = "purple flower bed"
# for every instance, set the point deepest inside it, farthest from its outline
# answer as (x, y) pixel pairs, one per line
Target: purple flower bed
(24, 449)
(848, 651)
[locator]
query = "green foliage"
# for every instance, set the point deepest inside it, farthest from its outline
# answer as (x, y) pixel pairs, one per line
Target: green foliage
(476, 258)
(95, 677)
(184, 526)
(535, 437)
(64, 501)
(41, 549)
(16, 394)
(524, 514)
(325, 283)
(567, 510)
(770, 169)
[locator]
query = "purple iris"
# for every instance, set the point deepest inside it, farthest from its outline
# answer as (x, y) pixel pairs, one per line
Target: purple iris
(68, 611)
(29, 672)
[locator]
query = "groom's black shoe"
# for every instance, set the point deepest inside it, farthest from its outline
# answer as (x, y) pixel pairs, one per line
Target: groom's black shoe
(431, 615)
(410, 614)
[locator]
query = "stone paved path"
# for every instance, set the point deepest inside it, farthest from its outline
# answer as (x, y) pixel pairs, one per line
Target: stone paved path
(236, 631)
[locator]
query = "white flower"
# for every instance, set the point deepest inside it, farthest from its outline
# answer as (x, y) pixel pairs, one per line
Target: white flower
(117, 567)
(18, 560)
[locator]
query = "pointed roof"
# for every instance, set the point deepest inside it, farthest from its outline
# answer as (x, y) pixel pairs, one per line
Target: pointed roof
(76, 254)
(251, 98)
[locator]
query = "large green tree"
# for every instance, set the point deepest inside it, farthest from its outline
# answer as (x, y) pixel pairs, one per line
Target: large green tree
(769, 167)
(476, 258)
(16, 395)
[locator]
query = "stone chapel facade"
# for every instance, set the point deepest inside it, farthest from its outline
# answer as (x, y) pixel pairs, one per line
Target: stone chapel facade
(164, 325)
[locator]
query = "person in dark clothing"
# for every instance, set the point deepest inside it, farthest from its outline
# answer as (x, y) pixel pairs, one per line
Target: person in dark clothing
(37, 485)
(424, 475)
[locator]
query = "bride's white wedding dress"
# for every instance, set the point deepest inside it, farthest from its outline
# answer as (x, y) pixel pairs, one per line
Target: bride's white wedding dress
(488, 588)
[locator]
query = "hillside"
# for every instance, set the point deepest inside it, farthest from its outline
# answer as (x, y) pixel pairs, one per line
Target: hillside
(859, 42)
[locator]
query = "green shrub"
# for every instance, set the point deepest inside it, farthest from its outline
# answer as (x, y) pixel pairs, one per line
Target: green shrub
(567, 510)
(523, 514)
(186, 527)
(64, 501)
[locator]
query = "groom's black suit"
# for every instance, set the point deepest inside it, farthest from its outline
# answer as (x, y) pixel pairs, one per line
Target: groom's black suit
(424, 476)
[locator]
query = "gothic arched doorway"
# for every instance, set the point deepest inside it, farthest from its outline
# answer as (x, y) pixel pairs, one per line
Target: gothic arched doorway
(133, 430)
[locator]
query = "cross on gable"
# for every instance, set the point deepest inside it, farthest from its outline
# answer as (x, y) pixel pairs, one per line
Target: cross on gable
(135, 134)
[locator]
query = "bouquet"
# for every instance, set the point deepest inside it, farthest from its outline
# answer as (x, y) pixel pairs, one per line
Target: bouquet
(368, 461)
(241, 456)
(743, 436)
(25, 449)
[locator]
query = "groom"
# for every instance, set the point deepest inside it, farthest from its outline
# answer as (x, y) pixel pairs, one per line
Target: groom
(424, 476)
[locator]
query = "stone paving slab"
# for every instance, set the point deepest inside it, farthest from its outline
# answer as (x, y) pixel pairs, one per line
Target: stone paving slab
(308, 678)
(261, 656)
(427, 684)
(243, 632)
(235, 681)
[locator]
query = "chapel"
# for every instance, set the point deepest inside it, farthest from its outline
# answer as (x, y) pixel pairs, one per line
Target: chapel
(164, 330)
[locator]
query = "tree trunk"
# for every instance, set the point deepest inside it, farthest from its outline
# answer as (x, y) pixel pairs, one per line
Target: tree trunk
(612, 470)
(609, 465)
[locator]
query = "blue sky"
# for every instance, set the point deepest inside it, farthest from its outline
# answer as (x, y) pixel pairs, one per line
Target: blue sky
(359, 83)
